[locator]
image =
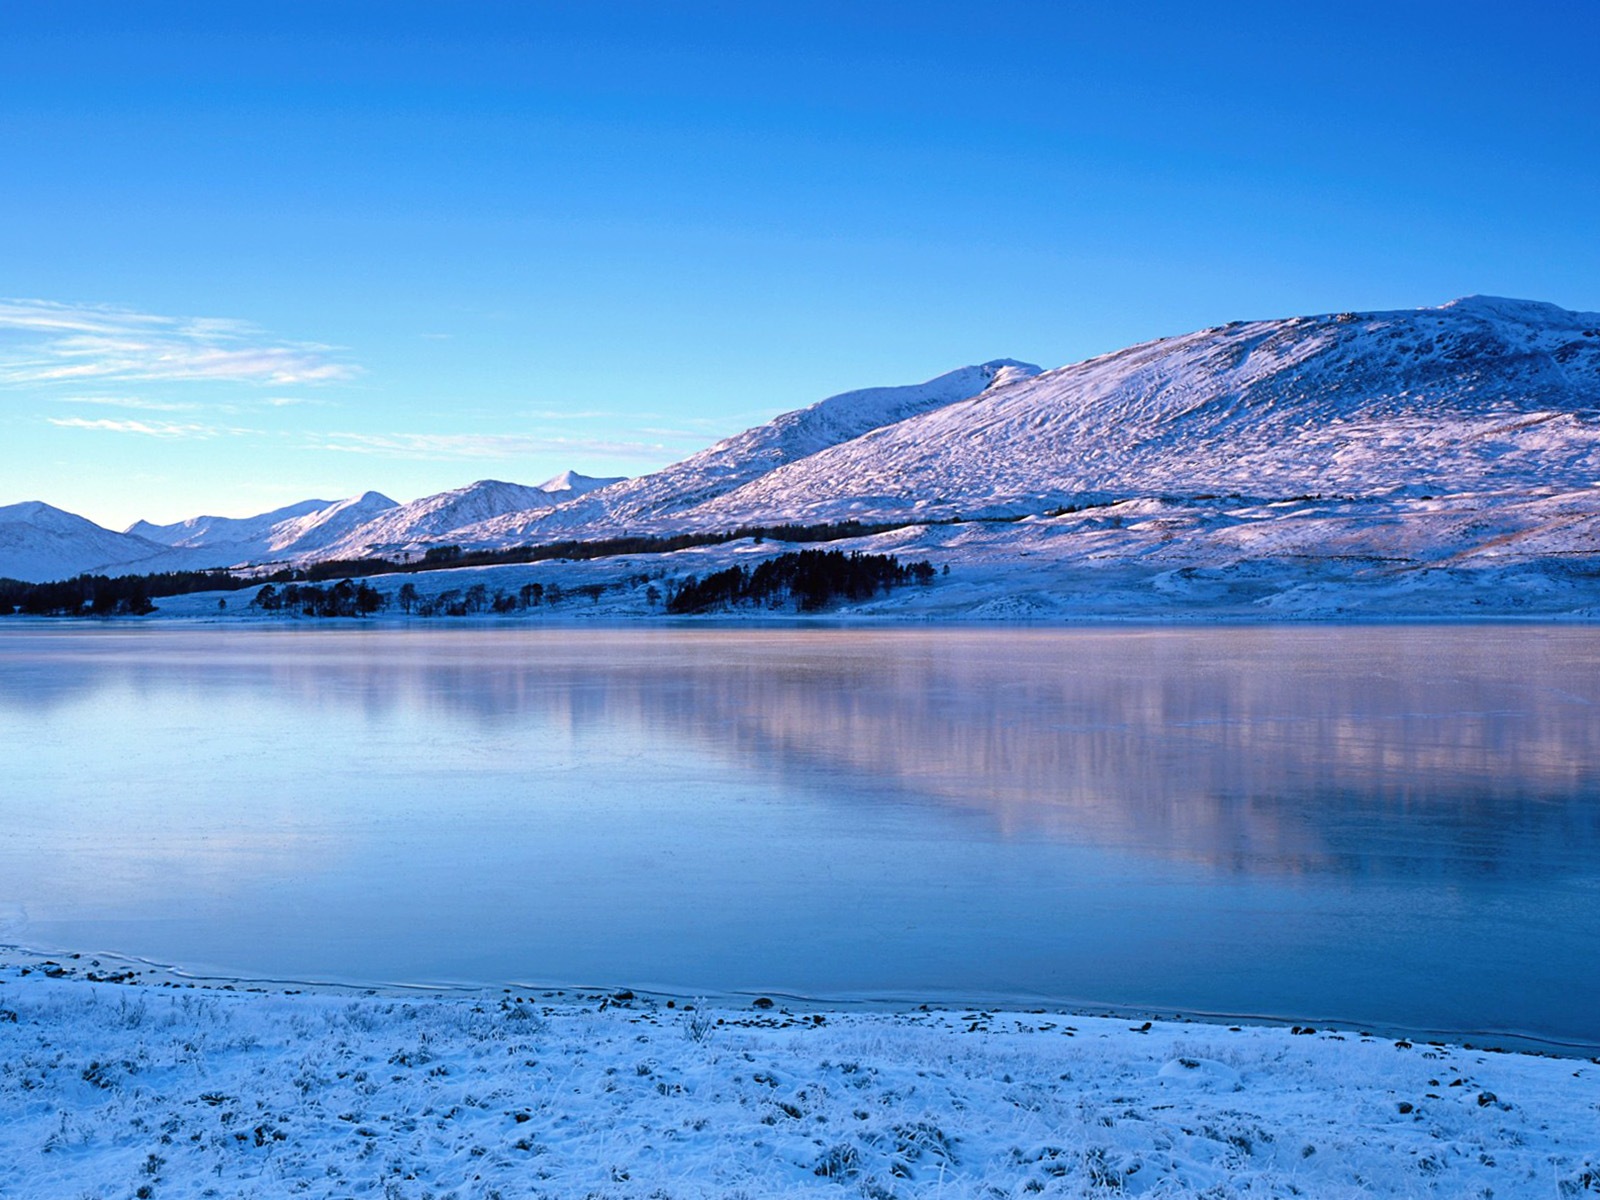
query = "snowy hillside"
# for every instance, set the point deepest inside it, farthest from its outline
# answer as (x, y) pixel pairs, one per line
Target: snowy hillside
(324, 527)
(1479, 395)
(1432, 461)
(570, 484)
(199, 532)
(655, 500)
(434, 518)
(38, 543)
(309, 529)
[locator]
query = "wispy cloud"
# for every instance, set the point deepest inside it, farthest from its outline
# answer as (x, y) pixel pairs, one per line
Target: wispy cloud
(157, 429)
(573, 414)
(137, 403)
(481, 445)
(44, 342)
(656, 424)
(690, 436)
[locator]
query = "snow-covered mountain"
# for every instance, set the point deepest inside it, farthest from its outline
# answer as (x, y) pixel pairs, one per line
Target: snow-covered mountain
(1246, 461)
(1481, 394)
(570, 484)
(316, 533)
(310, 529)
(199, 532)
(435, 518)
(653, 500)
(39, 542)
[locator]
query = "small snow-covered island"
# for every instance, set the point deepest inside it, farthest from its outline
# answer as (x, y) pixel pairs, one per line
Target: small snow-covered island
(1442, 462)
(841, 811)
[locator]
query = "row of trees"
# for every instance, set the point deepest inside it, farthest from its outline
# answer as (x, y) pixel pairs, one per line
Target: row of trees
(350, 599)
(99, 595)
(344, 599)
(105, 596)
(437, 558)
(471, 601)
(810, 579)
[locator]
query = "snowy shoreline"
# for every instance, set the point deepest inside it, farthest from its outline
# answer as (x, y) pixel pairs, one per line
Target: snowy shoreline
(1139, 561)
(111, 967)
(115, 1085)
(194, 615)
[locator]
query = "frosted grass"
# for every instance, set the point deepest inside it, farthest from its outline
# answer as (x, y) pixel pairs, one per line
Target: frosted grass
(169, 1091)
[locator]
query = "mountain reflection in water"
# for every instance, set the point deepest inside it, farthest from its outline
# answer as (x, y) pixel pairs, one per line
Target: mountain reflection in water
(1438, 782)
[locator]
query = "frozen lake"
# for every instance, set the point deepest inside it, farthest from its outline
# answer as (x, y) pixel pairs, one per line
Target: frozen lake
(1386, 826)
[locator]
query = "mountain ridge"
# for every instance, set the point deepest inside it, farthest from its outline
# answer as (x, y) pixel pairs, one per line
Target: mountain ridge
(198, 531)
(736, 460)
(407, 525)
(39, 541)
(1452, 398)
(1441, 434)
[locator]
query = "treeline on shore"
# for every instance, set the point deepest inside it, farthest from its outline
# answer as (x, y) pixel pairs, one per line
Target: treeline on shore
(350, 599)
(101, 595)
(439, 558)
(107, 596)
(808, 579)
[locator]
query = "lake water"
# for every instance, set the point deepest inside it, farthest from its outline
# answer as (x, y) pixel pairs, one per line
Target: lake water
(1395, 827)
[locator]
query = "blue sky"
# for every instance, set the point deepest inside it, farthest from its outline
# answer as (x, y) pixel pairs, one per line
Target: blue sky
(252, 253)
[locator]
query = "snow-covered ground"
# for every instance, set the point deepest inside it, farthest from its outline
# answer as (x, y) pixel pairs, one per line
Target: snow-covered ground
(1404, 557)
(146, 1085)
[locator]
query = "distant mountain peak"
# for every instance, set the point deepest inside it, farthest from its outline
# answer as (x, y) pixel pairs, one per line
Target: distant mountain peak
(203, 530)
(39, 541)
(428, 519)
(1486, 392)
(1481, 394)
(25, 510)
(1005, 371)
(1539, 312)
(478, 486)
(572, 483)
(39, 515)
